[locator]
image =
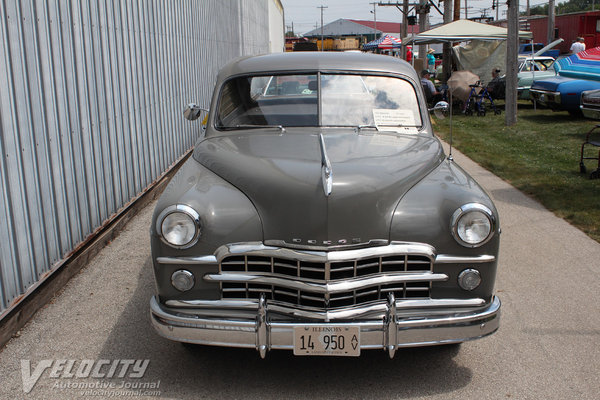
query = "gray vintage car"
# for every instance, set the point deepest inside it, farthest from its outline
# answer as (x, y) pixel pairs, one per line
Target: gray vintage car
(320, 214)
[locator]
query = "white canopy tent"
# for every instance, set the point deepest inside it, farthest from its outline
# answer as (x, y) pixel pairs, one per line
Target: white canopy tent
(462, 30)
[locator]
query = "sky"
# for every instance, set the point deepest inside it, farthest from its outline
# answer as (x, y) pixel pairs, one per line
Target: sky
(305, 14)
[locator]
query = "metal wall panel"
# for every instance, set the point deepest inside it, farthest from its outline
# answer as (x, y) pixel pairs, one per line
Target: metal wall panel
(91, 100)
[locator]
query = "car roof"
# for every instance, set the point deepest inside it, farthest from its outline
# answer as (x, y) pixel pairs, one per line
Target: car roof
(317, 61)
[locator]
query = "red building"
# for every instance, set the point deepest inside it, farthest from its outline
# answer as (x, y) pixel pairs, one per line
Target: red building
(568, 27)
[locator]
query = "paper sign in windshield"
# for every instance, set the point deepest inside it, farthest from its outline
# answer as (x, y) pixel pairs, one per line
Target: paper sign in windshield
(386, 118)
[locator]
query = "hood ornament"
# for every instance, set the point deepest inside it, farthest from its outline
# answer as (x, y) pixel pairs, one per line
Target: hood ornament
(326, 171)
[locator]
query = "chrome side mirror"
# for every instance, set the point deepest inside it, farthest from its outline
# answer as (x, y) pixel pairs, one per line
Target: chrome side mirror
(192, 112)
(440, 109)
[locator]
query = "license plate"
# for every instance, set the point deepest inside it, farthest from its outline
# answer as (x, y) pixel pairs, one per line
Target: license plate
(326, 340)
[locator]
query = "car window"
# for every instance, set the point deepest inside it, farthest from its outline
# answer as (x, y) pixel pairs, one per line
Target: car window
(368, 100)
(537, 65)
(293, 100)
(545, 64)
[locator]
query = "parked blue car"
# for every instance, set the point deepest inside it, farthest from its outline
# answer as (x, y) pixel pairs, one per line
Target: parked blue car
(576, 73)
(561, 93)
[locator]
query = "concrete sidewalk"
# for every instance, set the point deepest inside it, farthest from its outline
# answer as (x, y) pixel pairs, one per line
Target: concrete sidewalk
(548, 345)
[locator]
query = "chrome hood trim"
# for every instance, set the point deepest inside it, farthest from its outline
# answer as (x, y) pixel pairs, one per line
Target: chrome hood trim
(326, 171)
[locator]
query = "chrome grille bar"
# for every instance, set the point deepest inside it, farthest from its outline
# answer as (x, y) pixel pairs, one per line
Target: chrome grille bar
(326, 279)
(331, 287)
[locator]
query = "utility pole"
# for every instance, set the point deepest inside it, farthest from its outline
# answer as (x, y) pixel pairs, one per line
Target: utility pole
(466, 16)
(512, 47)
(456, 10)
(447, 55)
(497, 8)
(322, 7)
(551, 16)
(403, 26)
(374, 20)
(423, 10)
(405, 30)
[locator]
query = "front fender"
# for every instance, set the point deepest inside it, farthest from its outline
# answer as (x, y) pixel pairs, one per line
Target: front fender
(226, 214)
(424, 215)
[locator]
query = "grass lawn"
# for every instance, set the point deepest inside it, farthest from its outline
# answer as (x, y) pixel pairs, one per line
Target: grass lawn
(539, 156)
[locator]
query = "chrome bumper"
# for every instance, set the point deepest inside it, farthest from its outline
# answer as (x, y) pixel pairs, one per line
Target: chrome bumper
(393, 328)
(545, 97)
(592, 112)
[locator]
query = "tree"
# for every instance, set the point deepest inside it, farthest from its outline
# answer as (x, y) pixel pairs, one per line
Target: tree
(564, 7)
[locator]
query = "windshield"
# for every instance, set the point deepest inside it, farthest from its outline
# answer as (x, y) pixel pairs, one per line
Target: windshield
(293, 100)
(536, 65)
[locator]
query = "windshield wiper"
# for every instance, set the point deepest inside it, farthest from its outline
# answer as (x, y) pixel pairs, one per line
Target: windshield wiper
(360, 127)
(243, 126)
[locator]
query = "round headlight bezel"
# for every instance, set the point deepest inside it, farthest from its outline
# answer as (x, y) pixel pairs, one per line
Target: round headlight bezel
(183, 209)
(466, 209)
(185, 277)
(469, 279)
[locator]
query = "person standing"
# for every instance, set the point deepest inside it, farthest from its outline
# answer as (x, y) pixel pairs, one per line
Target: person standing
(578, 45)
(430, 61)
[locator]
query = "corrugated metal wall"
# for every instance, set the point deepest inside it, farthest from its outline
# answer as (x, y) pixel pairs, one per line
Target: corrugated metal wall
(91, 102)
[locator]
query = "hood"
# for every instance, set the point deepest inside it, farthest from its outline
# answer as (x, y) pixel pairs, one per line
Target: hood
(550, 84)
(282, 175)
(548, 47)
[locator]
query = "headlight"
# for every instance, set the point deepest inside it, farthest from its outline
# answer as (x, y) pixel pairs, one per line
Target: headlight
(179, 226)
(473, 225)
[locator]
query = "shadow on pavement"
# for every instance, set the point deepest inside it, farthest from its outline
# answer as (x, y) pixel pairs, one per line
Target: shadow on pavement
(190, 371)
(512, 196)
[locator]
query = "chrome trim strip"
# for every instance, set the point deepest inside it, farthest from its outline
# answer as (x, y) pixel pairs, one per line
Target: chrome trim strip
(280, 249)
(187, 260)
(450, 259)
(333, 247)
(251, 304)
(331, 287)
(196, 306)
(439, 259)
(259, 249)
(326, 170)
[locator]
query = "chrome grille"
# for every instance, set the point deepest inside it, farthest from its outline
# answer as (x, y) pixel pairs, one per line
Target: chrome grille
(321, 272)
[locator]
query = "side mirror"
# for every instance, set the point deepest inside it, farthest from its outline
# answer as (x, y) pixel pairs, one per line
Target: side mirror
(440, 109)
(192, 112)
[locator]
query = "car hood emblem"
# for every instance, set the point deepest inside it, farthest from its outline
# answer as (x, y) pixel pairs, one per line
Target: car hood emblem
(326, 172)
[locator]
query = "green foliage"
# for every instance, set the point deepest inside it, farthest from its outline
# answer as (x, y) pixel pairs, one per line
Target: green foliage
(539, 156)
(565, 7)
